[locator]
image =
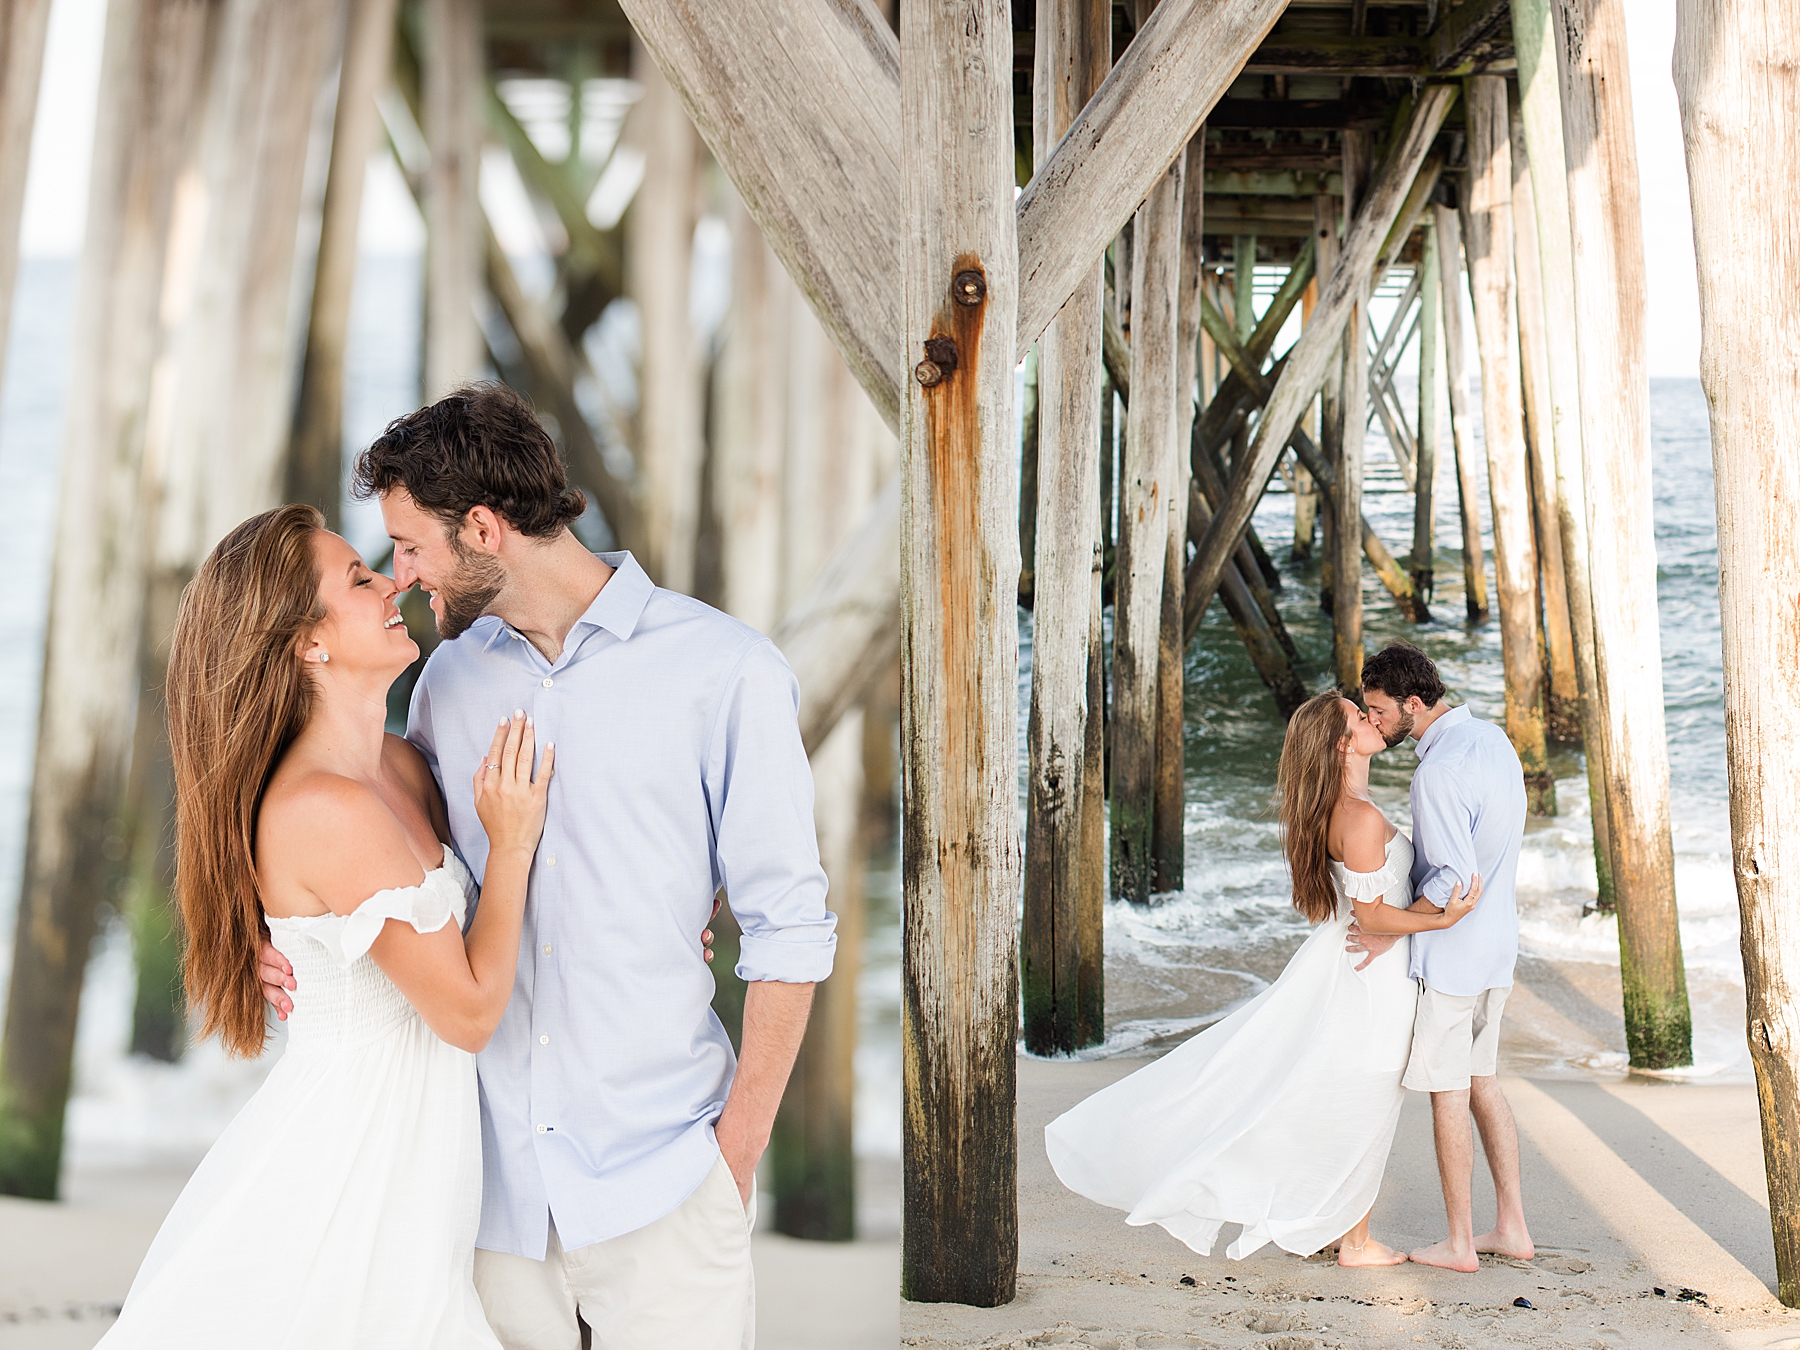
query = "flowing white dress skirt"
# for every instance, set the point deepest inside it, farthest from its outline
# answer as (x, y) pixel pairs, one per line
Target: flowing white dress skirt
(338, 1210)
(1278, 1117)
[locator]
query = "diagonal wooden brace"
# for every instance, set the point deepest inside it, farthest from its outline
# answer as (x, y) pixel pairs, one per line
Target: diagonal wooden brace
(1306, 365)
(1392, 575)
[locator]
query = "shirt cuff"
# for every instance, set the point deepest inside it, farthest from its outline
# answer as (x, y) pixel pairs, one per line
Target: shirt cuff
(806, 961)
(1438, 884)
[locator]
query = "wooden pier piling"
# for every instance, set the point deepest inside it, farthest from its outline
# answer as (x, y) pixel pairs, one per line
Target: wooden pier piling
(24, 25)
(1735, 70)
(659, 259)
(1540, 99)
(959, 655)
(1563, 701)
(1147, 478)
(150, 78)
(315, 456)
(454, 83)
(1606, 229)
(1352, 410)
(1489, 245)
(1073, 42)
(1430, 423)
(1468, 495)
(1168, 843)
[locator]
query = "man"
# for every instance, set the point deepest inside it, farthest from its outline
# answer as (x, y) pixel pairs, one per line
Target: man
(619, 1139)
(1468, 810)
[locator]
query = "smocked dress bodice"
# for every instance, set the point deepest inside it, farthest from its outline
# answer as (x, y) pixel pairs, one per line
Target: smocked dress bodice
(342, 999)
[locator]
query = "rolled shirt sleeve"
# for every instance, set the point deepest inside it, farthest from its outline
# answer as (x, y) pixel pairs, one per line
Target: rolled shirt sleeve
(1443, 831)
(760, 791)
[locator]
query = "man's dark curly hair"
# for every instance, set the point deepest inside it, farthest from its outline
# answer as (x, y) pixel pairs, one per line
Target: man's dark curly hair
(479, 446)
(1401, 671)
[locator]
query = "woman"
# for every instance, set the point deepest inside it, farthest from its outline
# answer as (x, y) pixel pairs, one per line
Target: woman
(1280, 1116)
(298, 816)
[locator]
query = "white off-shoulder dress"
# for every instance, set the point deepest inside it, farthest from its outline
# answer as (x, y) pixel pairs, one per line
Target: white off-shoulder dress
(1278, 1117)
(339, 1208)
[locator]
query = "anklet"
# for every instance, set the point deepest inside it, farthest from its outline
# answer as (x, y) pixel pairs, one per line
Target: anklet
(1357, 1247)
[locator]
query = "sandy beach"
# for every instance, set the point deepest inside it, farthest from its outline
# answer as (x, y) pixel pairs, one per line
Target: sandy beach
(1647, 1201)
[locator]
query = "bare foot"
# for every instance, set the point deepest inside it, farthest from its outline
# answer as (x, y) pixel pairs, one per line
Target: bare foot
(1502, 1243)
(1449, 1256)
(1371, 1253)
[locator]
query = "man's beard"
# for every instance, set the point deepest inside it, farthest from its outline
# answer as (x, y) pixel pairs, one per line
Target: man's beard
(464, 598)
(1406, 728)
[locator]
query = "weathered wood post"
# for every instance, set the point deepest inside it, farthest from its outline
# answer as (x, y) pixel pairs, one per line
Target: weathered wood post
(1431, 387)
(1148, 475)
(23, 26)
(1489, 246)
(1353, 413)
(1331, 411)
(1062, 1011)
(1168, 844)
(658, 259)
(829, 479)
(1740, 106)
(1541, 103)
(1468, 495)
(1540, 442)
(1607, 232)
(150, 71)
(315, 460)
(455, 74)
(751, 425)
(959, 561)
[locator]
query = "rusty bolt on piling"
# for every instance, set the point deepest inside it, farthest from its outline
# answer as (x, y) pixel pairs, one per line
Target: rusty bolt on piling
(968, 287)
(940, 361)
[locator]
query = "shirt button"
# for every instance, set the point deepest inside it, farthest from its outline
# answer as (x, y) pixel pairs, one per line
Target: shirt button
(543, 1040)
(551, 860)
(543, 1129)
(548, 682)
(546, 949)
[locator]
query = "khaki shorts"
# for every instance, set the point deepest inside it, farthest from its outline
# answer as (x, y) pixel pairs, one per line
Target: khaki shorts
(684, 1282)
(1454, 1037)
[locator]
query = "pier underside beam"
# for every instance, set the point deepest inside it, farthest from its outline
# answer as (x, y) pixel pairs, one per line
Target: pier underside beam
(1735, 73)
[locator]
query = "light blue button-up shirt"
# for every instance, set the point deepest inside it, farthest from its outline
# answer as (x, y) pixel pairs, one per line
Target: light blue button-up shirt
(679, 769)
(1468, 810)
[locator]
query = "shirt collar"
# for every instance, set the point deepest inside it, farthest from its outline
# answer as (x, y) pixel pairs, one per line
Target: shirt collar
(618, 607)
(1453, 717)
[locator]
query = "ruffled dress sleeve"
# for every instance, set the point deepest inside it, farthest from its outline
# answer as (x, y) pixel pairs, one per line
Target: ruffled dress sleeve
(427, 907)
(1369, 887)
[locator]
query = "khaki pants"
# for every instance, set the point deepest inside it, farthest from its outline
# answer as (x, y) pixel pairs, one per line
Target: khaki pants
(682, 1283)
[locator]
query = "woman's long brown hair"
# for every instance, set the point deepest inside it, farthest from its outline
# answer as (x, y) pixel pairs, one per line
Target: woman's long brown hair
(1310, 780)
(237, 696)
